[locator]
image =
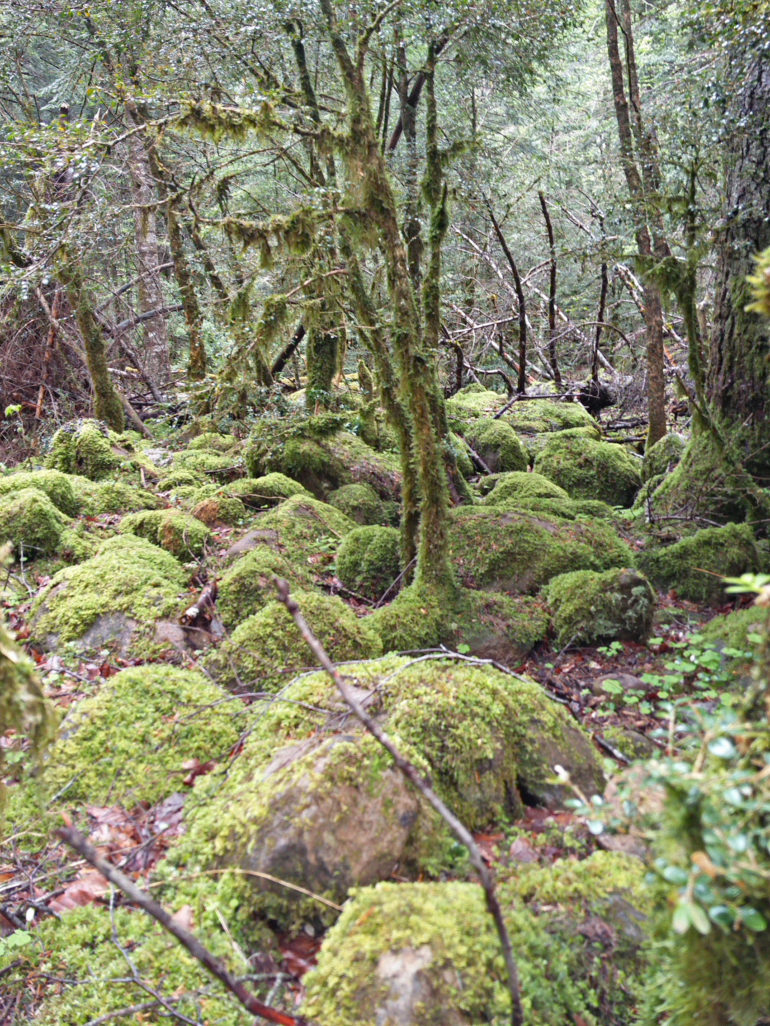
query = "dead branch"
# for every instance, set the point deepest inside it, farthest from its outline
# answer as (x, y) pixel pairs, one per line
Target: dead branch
(411, 773)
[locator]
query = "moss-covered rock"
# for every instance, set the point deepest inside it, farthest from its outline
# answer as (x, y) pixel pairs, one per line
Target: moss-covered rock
(61, 489)
(416, 618)
(128, 583)
(267, 648)
(360, 502)
(409, 954)
(663, 456)
(474, 401)
(516, 551)
(179, 533)
(111, 496)
(498, 445)
(248, 585)
(84, 447)
(590, 469)
(180, 479)
(541, 416)
(31, 523)
(520, 485)
(303, 529)
(219, 508)
(487, 739)
(216, 465)
(264, 492)
(462, 455)
(496, 626)
(315, 452)
(369, 560)
(129, 742)
(737, 631)
(694, 566)
(211, 441)
(589, 607)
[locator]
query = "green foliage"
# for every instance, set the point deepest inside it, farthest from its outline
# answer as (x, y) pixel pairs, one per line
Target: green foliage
(760, 285)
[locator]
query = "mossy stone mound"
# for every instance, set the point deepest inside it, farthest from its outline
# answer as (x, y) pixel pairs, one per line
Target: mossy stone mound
(84, 447)
(496, 626)
(129, 742)
(590, 469)
(265, 492)
(248, 585)
(63, 490)
(474, 401)
(218, 509)
(498, 445)
(663, 456)
(589, 607)
(360, 502)
(737, 631)
(488, 741)
(31, 523)
(266, 649)
(180, 479)
(212, 441)
(216, 465)
(179, 533)
(519, 485)
(541, 416)
(416, 618)
(412, 954)
(517, 551)
(369, 560)
(304, 529)
(111, 496)
(128, 584)
(695, 566)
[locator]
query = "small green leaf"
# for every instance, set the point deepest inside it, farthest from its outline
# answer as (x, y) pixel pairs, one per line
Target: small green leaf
(612, 686)
(723, 748)
(753, 919)
(722, 916)
(675, 875)
(463, 649)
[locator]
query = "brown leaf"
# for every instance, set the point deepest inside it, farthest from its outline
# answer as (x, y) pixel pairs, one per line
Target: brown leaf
(197, 769)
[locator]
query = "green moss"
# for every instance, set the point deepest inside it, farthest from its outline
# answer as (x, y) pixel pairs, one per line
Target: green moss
(415, 619)
(180, 479)
(212, 441)
(498, 445)
(112, 496)
(538, 416)
(263, 492)
(663, 456)
(82, 972)
(219, 508)
(462, 455)
(61, 489)
(733, 630)
(182, 535)
(695, 566)
(591, 469)
(589, 607)
(248, 585)
(127, 576)
(368, 560)
(31, 523)
(519, 485)
(456, 966)
(496, 626)
(211, 464)
(83, 447)
(519, 552)
(360, 502)
(303, 527)
(267, 648)
(474, 401)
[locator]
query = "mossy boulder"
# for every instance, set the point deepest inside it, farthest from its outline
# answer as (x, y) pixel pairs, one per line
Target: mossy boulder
(496, 626)
(218, 509)
(590, 607)
(129, 742)
(63, 490)
(265, 492)
(315, 452)
(31, 523)
(663, 456)
(305, 530)
(488, 741)
(360, 502)
(498, 445)
(111, 496)
(114, 597)
(267, 648)
(179, 533)
(695, 566)
(474, 401)
(248, 585)
(180, 479)
(541, 416)
(737, 631)
(84, 447)
(519, 485)
(211, 441)
(369, 560)
(462, 455)
(416, 618)
(215, 465)
(413, 954)
(517, 551)
(590, 469)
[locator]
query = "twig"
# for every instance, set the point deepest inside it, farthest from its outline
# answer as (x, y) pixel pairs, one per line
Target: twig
(253, 1005)
(411, 773)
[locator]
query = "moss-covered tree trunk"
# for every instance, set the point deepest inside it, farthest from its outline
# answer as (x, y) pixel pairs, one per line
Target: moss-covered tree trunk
(738, 379)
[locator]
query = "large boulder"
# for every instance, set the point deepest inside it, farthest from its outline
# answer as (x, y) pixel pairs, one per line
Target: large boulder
(497, 444)
(589, 607)
(419, 954)
(369, 560)
(588, 468)
(62, 489)
(114, 598)
(85, 447)
(360, 502)
(179, 533)
(31, 523)
(249, 583)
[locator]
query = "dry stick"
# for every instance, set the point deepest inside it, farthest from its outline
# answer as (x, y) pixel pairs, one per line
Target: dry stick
(411, 773)
(522, 383)
(78, 842)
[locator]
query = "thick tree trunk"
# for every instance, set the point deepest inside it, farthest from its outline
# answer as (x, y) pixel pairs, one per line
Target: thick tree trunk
(739, 366)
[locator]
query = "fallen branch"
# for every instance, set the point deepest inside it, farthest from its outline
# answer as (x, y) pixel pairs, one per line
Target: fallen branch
(412, 774)
(253, 1005)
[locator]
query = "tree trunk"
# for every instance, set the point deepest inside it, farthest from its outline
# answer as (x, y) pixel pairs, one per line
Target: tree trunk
(739, 368)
